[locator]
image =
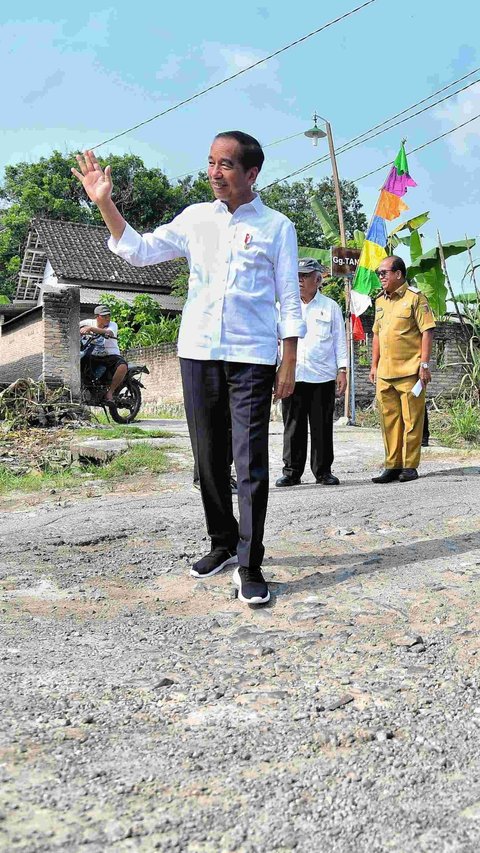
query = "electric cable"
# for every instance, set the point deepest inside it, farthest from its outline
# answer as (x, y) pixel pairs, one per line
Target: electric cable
(237, 74)
(365, 132)
(419, 148)
(348, 146)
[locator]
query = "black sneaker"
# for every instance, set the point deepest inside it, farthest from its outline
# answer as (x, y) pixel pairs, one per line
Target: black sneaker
(213, 563)
(252, 587)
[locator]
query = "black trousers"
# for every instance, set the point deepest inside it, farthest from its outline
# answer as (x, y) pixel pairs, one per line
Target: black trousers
(212, 390)
(311, 403)
(196, 478)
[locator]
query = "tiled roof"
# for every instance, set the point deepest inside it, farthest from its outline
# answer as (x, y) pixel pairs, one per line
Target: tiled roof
(93, 296)
(79, 252)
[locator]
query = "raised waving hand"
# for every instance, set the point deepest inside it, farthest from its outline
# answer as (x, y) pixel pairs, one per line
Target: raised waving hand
(96, 182)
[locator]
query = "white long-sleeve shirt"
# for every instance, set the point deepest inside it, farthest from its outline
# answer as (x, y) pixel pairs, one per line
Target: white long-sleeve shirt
(241, 265)
(323, 350)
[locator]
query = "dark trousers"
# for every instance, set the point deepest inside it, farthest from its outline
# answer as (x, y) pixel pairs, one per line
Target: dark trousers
(212, 390)
(311, 403)
(196, 478)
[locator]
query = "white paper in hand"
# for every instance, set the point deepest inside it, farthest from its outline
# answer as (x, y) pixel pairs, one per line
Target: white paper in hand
(417, 388)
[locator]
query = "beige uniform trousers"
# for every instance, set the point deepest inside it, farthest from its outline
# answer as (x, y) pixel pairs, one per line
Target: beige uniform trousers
(401, 418)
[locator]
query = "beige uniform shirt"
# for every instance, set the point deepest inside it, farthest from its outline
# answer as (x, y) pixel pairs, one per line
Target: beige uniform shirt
(400, 320)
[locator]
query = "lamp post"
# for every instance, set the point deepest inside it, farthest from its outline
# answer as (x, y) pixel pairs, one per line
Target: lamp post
(315, 133)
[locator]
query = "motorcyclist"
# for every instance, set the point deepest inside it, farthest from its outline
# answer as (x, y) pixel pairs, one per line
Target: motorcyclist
(106, 349)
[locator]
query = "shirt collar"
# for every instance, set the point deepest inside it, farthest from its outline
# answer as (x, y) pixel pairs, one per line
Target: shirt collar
(256, 203)
(399, 292)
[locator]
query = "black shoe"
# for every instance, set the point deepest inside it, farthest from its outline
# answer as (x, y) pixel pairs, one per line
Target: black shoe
(328, 479)
(408, 474)
(388, 476)
(252, 587)
(286, 480)
(233, 486)
(425, 442)
(213, 563)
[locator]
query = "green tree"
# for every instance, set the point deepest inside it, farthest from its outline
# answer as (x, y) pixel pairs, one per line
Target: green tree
(294, 201)
(48, 189)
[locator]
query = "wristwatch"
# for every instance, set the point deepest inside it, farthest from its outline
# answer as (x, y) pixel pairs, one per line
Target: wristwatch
(425, 365)
(342, 369)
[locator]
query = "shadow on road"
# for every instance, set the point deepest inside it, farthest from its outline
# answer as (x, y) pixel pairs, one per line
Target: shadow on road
(360, 564)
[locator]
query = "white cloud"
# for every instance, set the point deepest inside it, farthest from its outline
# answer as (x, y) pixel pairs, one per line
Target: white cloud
(458, 111)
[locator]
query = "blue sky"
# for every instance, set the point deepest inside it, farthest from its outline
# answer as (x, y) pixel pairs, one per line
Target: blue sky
(78, 75)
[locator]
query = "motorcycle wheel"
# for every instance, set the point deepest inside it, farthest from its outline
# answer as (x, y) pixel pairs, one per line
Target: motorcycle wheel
(127, 402)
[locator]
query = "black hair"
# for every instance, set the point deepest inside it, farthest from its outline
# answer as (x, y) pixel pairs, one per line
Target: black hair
(251, 150)
(398, 265)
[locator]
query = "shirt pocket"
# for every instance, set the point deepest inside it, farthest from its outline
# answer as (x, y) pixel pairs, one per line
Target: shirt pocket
(402, 320)
(322, 326)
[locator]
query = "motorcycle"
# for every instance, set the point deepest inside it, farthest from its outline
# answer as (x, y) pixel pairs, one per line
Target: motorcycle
(95, 381)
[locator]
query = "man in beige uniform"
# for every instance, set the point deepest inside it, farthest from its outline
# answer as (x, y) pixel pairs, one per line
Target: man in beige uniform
(402, 344)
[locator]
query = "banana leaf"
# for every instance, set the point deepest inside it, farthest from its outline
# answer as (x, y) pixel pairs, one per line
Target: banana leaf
(358, 238)
(431, 259)
(322, 255)
(412, 224)
(328, 228)
(432, 284)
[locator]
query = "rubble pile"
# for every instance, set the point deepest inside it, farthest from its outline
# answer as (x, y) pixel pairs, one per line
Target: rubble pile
(26, 403)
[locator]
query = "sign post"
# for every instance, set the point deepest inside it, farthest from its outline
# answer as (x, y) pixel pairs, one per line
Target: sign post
(344, 263)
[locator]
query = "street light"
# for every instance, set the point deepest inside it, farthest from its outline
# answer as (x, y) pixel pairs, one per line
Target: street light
(315, 133)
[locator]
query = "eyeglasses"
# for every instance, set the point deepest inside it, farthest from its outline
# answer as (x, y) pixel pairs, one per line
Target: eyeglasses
(382, 273)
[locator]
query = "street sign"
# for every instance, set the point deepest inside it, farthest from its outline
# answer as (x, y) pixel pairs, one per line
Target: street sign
(344, 261)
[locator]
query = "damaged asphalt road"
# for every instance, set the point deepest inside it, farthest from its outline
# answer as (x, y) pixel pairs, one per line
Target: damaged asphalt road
(144, 710)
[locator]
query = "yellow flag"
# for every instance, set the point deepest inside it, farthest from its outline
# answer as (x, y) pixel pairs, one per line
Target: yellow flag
(372, 254)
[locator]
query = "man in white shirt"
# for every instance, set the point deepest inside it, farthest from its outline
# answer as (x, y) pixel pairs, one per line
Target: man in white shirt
(243, 260)
(321, 369)
(106, 349)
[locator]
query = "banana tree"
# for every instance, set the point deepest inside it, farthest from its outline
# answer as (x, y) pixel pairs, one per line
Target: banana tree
(426, 267)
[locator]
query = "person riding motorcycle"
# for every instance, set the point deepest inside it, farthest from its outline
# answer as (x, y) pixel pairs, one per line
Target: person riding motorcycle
(106, 349)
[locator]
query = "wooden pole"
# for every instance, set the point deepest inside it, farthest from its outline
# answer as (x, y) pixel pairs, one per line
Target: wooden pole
(472, 274)
(454, 299)
(343, 241)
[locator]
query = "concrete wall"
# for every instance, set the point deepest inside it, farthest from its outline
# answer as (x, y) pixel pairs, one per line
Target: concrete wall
(44, 343)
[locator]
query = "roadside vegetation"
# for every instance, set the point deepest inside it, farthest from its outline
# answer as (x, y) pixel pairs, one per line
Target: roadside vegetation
(455, 425)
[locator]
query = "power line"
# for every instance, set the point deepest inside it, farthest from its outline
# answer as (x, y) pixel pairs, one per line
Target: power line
(237, 74)
(365, 138)
(419, 148)
(365, 132)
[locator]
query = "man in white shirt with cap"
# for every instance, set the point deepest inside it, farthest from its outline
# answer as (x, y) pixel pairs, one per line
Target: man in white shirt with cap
(242, 257)
(321, 371)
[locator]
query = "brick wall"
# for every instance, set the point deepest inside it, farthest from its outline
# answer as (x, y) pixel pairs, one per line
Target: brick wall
(21, 347)
(446, 364)
(61, 323)
(163, 384)
(44, 343)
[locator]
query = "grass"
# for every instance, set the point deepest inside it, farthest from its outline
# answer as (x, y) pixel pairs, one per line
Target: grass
(455, 425)
(139, 459)
(135, 460)
(120, 431)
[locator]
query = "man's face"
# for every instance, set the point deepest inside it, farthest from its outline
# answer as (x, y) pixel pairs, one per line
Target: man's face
(103, 320)
(309, 283)
(389, 279)
(228, 179)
